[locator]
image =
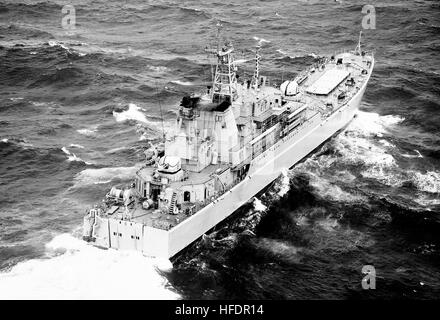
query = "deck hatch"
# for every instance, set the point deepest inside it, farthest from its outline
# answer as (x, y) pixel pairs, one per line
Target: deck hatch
(328, 81)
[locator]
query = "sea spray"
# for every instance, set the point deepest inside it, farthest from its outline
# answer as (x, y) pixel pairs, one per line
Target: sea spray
(77, 270)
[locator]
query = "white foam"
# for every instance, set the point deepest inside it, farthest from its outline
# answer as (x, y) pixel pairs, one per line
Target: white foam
(104, 175)
(425, 201)
(427, 182)
(159, 69)
(116, 149)
(384, 175)
(88, 131)
(85, 272)
(372, 124)
(182, 83)
(386, 143)
(285, 182)
(133, 113)
(5, 140)
(417, 155)
(331, 191)
(281, 52)
(261, 40)
(280, 248)
(301, 221)
(358, 147)
(73, 157)
(240, 61)
(258, 205)
(328, 224)
(362, 150)
(74, 145)
(53, 43)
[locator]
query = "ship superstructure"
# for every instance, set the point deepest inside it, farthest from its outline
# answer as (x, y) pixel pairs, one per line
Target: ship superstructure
(226, 146)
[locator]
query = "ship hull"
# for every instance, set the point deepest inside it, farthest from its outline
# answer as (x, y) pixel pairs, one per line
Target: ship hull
(264, 169)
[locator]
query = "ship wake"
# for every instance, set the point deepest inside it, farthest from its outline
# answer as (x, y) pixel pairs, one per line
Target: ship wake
(73, 269)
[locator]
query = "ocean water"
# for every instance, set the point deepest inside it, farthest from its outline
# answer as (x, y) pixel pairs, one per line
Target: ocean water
(78, 107)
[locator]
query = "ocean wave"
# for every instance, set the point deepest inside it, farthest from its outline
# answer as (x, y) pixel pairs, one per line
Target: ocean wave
(186, 12)
(416, 155)
(358, 146)
(332, 191)
(73, 157)
(182, 83)
(382, 174)
(427, 182)
(77, 270)
(132, 113)
(74, 145)
(370, 124)
(153, 128)
(258, 205)
(280, 51)
(21, 142)
(90, 132)
(427, 201)
(25, 33)
(53, 43)
(261, 41)
(358, 150)
(115, 150)
(328, 224)
(365, 148)
(104, 175)
(158, 69)
(30, 8)
(283, 183)
(61, 77)
(279, 248)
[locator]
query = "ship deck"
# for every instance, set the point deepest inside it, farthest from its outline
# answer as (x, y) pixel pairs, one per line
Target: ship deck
(309, 94)
(151, 217)
(324, 86)
(156, 218)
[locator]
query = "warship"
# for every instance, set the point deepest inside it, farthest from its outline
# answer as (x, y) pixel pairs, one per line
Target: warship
(227, 144)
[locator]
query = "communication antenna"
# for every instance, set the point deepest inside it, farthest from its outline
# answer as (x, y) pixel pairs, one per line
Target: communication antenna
(257, 65)
(161, 112)
(358, 47)
(219, 32)
(213, 51)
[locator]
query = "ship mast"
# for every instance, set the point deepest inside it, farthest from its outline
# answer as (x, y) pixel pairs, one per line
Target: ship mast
(225, 80)
(257, 66)
(358, 47)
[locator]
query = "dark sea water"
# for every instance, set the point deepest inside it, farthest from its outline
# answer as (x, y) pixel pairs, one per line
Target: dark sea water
(77, 108)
